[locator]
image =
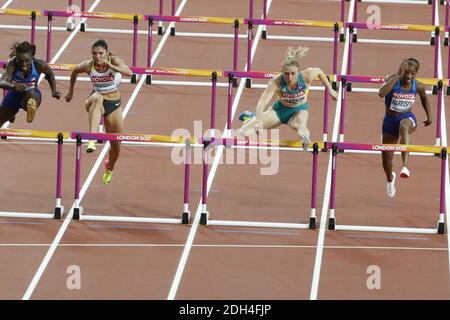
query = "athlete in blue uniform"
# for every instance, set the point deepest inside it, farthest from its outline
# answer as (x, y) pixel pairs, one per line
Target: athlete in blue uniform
(291, 107)
(20, 79)
(399, 93)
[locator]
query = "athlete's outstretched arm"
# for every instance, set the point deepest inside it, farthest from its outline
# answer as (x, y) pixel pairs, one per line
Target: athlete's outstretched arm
(44, 68)
(80, 68)
(264, 100)
(310, 74)
(118, 65)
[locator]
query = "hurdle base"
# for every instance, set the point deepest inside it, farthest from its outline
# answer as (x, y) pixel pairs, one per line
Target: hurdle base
(448, 91)
(386, 229)
(334, 85)
(331, 224)
(160, 30)
(204, 218)
(77, 212)
(441, 228)
(4, 137)
(248, 83)
(100, 141)
(349, 87)
(172, 31)
(258, 224)
(134, 78)
(83, 27)
(59, 212)
(235, 84)
(148, 79)
(312, 223)
(341, 37)
(186, 217)
(446, 42)
(70, 26)
(355, 38)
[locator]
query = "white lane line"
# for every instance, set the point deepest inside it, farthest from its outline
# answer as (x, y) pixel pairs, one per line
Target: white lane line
(86, 184)
(194, 227)
(326, 200)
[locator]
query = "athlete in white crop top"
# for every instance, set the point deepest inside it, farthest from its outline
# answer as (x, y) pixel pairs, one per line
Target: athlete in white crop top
(105, 71)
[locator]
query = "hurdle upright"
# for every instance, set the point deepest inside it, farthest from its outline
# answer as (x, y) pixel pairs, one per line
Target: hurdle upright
(211, 143)
(154, 140)
(26, 13)
(339, 147)
(59, 138)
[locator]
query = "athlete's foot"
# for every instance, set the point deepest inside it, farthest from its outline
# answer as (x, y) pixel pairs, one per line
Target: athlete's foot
(244, 116)
(390, 187)
(405, 173)
(31, 109)
(108, 173)
(91, 146)
(306, 142)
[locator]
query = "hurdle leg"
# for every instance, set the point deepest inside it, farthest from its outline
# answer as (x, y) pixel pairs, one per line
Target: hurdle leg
(59, 209)
(83, 24)
(332, 220)
(77, 210)
(148, 79)
(342, 118)
(49, 36)
(446, 22)
(187, 166)
(248, 82)
(135, 38)
(172, 29)
(439, 111)
(264, 30)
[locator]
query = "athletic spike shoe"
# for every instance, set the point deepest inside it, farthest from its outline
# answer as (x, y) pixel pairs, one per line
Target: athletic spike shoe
(91, 146)
(405, 173)
(306, 142)
(108, 173)
(244, 116)
(31, 109)
(390, 187)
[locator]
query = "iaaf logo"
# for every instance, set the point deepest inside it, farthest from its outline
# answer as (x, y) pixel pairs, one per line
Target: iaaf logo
(376, 79)
(134, 138)
(392, 26)
(193, 19)
(388, 148)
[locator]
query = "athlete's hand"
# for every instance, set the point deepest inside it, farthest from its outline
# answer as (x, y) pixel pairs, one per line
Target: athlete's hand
(68, 96)
(427, 122)
(56, 94)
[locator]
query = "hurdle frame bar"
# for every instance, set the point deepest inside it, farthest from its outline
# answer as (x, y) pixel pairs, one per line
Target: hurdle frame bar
(348, 79)
(59, 137)
(291, 23)
(210, 143)
(161, 141)
(340, 147)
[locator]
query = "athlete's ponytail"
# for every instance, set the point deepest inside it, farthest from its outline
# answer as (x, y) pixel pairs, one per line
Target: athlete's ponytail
(293, 55)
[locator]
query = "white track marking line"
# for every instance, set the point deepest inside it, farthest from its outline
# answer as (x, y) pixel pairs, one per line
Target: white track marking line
(326, 200)
(7, 3)
(69, 216)
(194, 227)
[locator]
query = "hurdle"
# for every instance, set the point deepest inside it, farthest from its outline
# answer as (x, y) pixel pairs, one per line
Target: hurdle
(95, 15)
(433, 4)
(153, 140)
(447, 3)
(59, 138)
(235, 22)
(293, 23)
(27, 13)
(346, 86)
(341, 147)
(286, 145)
